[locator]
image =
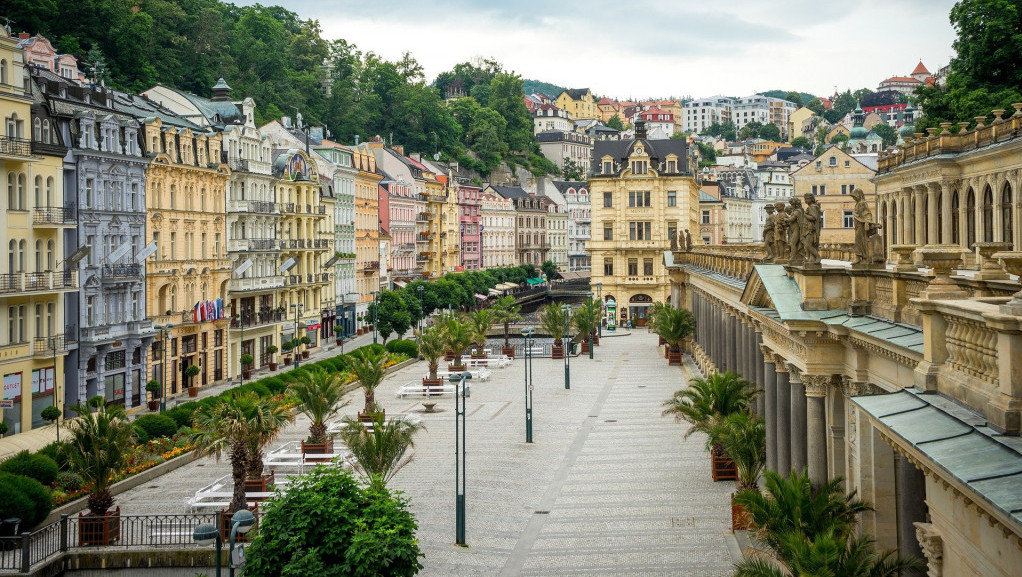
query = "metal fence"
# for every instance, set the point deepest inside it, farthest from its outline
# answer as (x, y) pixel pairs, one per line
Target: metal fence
(21, 553)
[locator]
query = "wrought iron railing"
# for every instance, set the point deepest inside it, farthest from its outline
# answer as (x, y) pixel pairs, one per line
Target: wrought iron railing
(54, 215)
(15, 146)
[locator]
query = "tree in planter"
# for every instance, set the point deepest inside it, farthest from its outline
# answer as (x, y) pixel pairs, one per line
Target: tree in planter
(584, 320)
(743, 438)
(267, 419)
(551, 320)
(379, 452)
(287, 347)
(97, 449)
(368, 368)
(272, 350)
(432, 346)
(320, 396)
(457, 337)
(708, 400)
(154, 388)
(50, 414)
(506, 311)
(246, 364)
(191, 372)
(3, 429)
(338, 332)
(674, 326)
(360, 530)
(305, 340)
(481, 323)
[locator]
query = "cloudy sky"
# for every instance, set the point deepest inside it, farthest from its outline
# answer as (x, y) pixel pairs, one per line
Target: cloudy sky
(645, 49)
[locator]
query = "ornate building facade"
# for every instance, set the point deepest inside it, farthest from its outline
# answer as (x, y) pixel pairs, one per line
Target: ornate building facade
(498, 230)
(367, 230)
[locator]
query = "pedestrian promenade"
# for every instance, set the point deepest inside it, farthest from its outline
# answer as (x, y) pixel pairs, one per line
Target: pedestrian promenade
(608, 487)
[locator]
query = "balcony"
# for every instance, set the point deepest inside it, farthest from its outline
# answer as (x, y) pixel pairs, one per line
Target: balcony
(27, 282)
(289, 207)
(371, 267)
(261, 283)
(252, 319)
(121, 272)
(54, 345)
(250, 244)
(55, 216)
(16, 148)
(253, 207)
(317, 278)
(644, 279)
(117, 331)
(318, 244)
(422, 257)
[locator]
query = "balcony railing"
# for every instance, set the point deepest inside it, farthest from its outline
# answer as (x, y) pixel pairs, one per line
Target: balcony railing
(55, 215)
(371, 266)
(246, 244)
(317, 278)
(251, 319)
(288, 207)
(53, 345)
(257, 283)
(38, 281)
(10, 146)
(116, 272)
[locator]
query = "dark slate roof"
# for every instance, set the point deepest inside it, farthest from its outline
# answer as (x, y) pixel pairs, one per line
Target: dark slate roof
(510, 191)
(216, 113)
(657, 149)
(564, 185)
(576, 93)
(788, 152)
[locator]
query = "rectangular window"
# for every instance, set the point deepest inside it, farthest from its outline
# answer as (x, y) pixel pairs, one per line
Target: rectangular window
(849, 220)
(608, 199)
(608, 267)
(640, 230)
(633, 267)
(156, 239)
(706, 217)
(115, 360)
(816, 190)
(833, 161)
(647, 266)
(608, 231)
(173, 245)
(672, 198)
(823, 189)
(844, 189)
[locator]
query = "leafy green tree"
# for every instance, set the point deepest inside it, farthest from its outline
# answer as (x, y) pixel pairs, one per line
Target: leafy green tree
(572, 170)
(886, 132)
(770, 131)
(506, 92)
(549, 268)
(801, 142)
(707, 152)
(861, 93)
(359, 530)
(816, 105)
(391, 314)
(750, 130)
(615, 123)
(725, 130)
(794, 97)
(839, 139)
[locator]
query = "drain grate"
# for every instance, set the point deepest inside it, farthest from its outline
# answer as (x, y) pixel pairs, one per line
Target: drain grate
(642, 386)
(542, 512)
(610, 420)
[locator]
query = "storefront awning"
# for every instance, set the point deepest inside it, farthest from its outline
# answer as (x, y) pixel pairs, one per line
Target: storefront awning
(400, 283)
(313, 327)
(504, 286)
(535, 281)
(494, 291)
(574, 275)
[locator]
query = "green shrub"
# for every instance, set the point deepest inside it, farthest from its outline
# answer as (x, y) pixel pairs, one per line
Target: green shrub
(259, 389)
(34, 466)
(276, 385)
(375, 349)
(141, 436)
(24, 498)
(157, 425)
(53, 451)
(404, 347)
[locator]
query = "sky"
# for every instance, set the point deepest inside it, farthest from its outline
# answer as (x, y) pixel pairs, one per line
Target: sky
(643, 49)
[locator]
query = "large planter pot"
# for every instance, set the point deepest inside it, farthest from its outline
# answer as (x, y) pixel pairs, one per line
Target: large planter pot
(723, 468)
(372, 417)
(325, 448)
(457, 368)
(666, 351)
(482, 356)
(557, 352)
(287, 361)
(100, 530)
(674, 357)
(661, 340)
(585, 347)
(153, 405)
(741, 520)
(246, 374)
(260, 484)
(193, 391)
(596, 339)
(305, 354)
(449, 356)
(340, 342)
(225, 527)
(508, 352)
(273, 366)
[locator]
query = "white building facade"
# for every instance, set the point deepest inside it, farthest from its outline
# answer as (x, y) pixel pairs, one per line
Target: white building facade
(697, 115)
(498, 231)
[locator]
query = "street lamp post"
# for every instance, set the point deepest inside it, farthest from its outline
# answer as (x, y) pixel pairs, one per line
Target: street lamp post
(163, 358)
(460, 472)
(599, 292)
(567, 343)
(592, 345)
(527, 361)
(206, 534)
(298, 311)
(240, 317)
(375, 307)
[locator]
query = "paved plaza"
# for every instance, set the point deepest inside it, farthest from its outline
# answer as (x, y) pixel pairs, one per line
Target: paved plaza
(608, 487)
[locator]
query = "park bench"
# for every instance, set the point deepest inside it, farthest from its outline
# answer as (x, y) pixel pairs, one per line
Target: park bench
(290, 456)
(491, 362)
(218, 494)
(425, 391)
(477, 374)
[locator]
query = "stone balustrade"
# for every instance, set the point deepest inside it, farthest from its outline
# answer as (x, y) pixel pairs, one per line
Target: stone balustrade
(735, 260)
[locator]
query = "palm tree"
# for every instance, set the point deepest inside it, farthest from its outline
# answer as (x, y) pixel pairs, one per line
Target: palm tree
(481, 323)
(551, 319)
(369, 369)
(674, 326)
(457, 337)
(432, 347)
(241, 427)
(829, 554)
(584, 320)
(709, 399)
(97, 449)
(654, 313)
(506, 311)
(377, 451)
(320, 396)
(743, 438)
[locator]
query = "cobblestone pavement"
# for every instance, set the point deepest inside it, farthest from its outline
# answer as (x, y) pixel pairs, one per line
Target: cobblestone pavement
(609, 487)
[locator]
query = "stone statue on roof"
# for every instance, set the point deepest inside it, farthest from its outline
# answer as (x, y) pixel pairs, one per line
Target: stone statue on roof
(811, 233)
(869, 247)
(780, 233)
(768, 232)
(796, 224)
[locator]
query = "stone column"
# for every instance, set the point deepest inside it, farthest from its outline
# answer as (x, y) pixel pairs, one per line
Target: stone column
(743, 352)
(816, 426)
(946, 190)
(911, 505)
(732, 342)
(770, 406)
(798, 419)
(920, 224)
(783, 427)
(932, 224)
(757, 342)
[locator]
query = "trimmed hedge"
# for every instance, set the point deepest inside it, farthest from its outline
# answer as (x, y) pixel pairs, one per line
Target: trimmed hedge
(24, 498)
(34, 466)
(53, 451)
(157, 425)
(404, 347)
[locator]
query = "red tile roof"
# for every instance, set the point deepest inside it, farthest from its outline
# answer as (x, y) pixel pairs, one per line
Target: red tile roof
(920, 69)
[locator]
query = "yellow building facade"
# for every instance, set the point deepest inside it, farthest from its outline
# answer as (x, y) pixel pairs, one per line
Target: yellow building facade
(831, 177)
(579, 103)
(643, 193)
(367, 231)
(35, 281)
(187, 277)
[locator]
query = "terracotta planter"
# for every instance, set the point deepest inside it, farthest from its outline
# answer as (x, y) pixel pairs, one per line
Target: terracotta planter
(287, 361)
(273, 366)
(666, 352)
(99, 529)
(449, 356)
(661, 341)
(557, 352)
(259, 484)
(371, 417)
(674, 357)
(325, 448)
(340, 342)
(460, 367)
(508, 352)
(482, 356)
(153, 405)
(723, 468)
(585, 347)
(246, 374)
(305, 354)
(225, 527)
(741, 520)
(193, 391)
(431, 383)
(596, 339)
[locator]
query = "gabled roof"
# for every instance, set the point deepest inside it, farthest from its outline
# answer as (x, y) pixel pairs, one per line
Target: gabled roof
(564, 185)
(510, 191)
(656, 149)
(920, 69)
(905, 79)
(575, 93)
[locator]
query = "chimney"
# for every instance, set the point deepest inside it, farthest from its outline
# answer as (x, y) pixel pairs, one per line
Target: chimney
(399, 148)
(24, 35)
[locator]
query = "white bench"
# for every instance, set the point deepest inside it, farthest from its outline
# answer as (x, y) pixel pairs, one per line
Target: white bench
(491, 362)
(290, 456)
(477, 374)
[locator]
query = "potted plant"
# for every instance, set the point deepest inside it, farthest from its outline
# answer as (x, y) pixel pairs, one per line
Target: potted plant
(507, 311)
(551, 319)
(743, 438)
(481, 323)
(457, 338)
(305, 340)
(674, 326)
(246, 366)
(96, 452)
(338, 331)
(50, 414)
(3, 429)
(287, 346)
(361, 328)
(368, 368)
(153, 387)
(584, 321)
(191, 372)
(379, 453)
(320, 396)
(272, 350)
(431, 347)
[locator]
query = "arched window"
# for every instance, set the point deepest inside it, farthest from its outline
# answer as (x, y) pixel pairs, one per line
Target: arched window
(940, 217)
(38, 255)
(911, 225)
(38, 191)
(22, 249)
(955, 214)
(12, 198)
(173, 299)
(1007, 210)
(970, 219)
(22, 194)
(46, 132)
(988, 215)
(49, 192)
(12, 249)
(173, 196)
(50, 245)
(37, 130)
(926, 220)
(894, 218)
(38, 320)
(3, 71)
(883, 219)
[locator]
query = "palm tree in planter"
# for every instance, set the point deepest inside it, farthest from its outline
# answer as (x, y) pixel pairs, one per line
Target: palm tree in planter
(458, 336)
(271, 350)
(287, 347)
(432, 345)
(481, 323)
(651, 319)
(369, 368)
(96, 452)
(191, 372)
(584, 321)
(246, 365)
(153, 388)
(505, 312)
(743, 438)
(378, 452)
(551, 320)
(305, 340)
(705, 402)
(674, 326)
(267, 419)
(320, 397)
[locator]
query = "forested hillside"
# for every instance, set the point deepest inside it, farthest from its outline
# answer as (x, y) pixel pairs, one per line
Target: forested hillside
(277, 58)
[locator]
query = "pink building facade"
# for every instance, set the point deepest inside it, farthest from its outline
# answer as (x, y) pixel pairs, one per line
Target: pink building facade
(403, 206)
(471, 227)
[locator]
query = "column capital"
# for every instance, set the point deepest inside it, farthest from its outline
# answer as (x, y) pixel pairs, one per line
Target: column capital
(794, 374)
(816, 385)
(768, 353)
(861, 388)
(780, 365)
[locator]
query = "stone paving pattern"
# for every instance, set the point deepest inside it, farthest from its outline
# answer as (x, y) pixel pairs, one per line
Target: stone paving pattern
(609, 487)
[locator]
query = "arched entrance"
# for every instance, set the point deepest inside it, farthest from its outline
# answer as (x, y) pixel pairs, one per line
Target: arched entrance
(638, 307)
